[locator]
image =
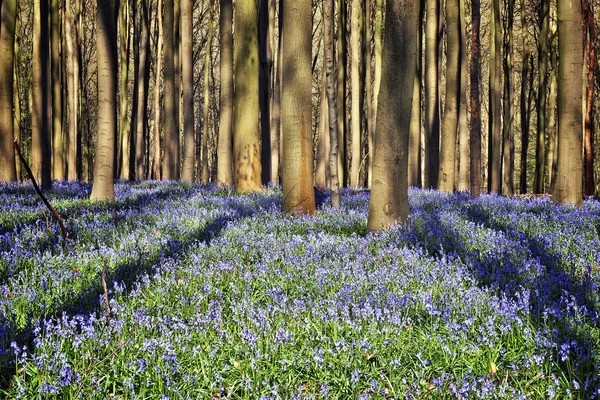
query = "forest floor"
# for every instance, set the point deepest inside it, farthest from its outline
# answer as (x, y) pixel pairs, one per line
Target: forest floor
(214, 295)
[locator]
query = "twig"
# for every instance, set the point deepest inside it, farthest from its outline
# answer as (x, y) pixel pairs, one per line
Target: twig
(63, 230)
(103, 276)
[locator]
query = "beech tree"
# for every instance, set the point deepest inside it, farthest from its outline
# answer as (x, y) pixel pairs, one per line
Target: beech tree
(8, 15)
(188, 89)
(225, 160)
(432, 100)
(171, 156)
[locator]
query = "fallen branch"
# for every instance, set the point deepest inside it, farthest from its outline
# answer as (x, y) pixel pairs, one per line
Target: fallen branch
(63, 230)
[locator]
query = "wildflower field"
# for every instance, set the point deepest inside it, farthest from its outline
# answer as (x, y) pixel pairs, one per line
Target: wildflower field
(215, 295)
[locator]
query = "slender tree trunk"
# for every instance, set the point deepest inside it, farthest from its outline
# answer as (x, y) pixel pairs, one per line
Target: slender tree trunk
(540, 147)
(432, 97)
(187, 32)
(321, 172)
(8, 15)
(157, 108)
(123, 23)
(356, 33)
(177, 81)
(274, 129)
(72, 97)
(265, 71)
(328, 9)
(142, 87)
(495, 78)
(78, 86)
(246, 136)
(389, 195)
(58, 168)
(377, 40)
(463, 126)
(590, 187)
(342, 60)
(568, 188)
(225, 159)
(552, 134)
(296, 109)
(448, 146)
(17, 92)
(103, 187)
(41, 143)
(369, 88)
(171, 156)
(525, 73)
(475, 184)
(205, 124)
(414, 140)
(508, 164)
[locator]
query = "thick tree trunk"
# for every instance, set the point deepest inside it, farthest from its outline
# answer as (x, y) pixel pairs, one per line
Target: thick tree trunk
(356, 91)
(8, 15)
(495, 122)
(171, 156)
(475, 184)
(463, 126)
(205, 124)
(246, 137)
(525, 80)
(106, 20)
(377, 41)
(508, 163)
(540, 147)
(41, 143)
(58, 164)
(225, 160)
(432, 97)
(446, 178)
(157, 108)
(328, 8)
(125, 38)
(266, 70)
(296, 109)
(590, 187)
(389, 195)
(72, 95)
(342, 126)
(187, 61)
(569, 175)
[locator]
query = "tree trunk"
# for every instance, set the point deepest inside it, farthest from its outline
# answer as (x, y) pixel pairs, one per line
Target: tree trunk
(106, 20)
(525, 78)
(569, 175)
(508, 164)
(205, 124)
(475, 184)
(58, 166)
(177, 80)
(495, 122)
(552, 136)
(328, 9)
(369, 88)
(171, 156)
(463, 128)
(41, 143)
(540, 147)
(448, 146)
(321, 173)
(123, 23)
(72, 96)
(342, 126)
(274, 128)
(8, 15)
(187, 61)
(389, 195)
(265, 71)
(141, 87)
(225, 161)
(246, 137)
(296, 109)
(590, 187)
(432, 97)
(414, 140)
(157, 108)
(377, 40)
(17, 94)
(356, 33)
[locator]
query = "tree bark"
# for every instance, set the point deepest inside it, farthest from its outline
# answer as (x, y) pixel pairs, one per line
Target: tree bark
(171, 155)
(274, 125)
(342, 61)
(41, 142)
(569, 175)
(368, 56)
(540, 147)
(463, 128)
(446, 178)
(187, 62)
(205, 124)
(8, 15)
(123, 25)
(157, 108)
(552, 136)
(321, 172)
(590, 187)
(432, 97)
(58, 165)
(138, 147)
(508, 163)
(17, 93)
(355, 20)
(414, 140)
(106, 20)
(475, 184)
(225, 160)
(265, 72)
(389, 195)
(246, 137)
(525, 118)
(296, 109)
(495, 122)
(72, 95)
(377, 41)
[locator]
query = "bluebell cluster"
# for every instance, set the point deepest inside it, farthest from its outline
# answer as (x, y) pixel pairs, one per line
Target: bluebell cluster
(218, 295)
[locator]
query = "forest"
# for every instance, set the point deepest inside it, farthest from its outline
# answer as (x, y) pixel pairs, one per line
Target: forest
(307, 199)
